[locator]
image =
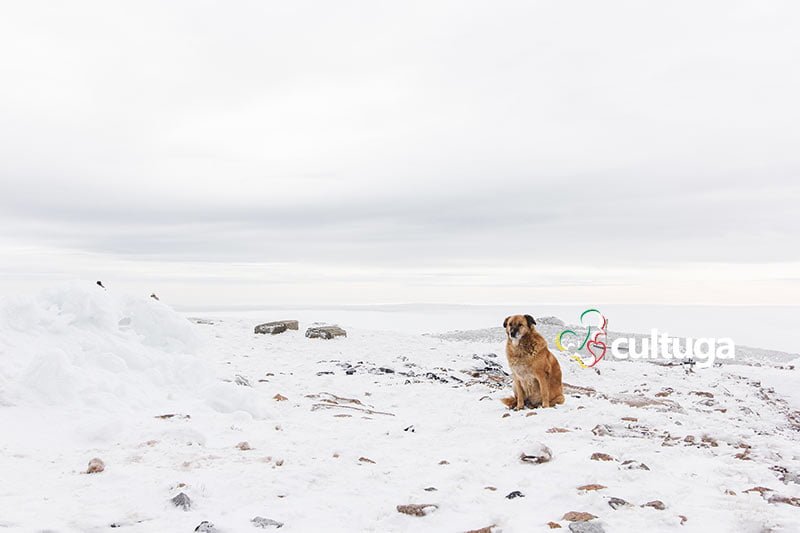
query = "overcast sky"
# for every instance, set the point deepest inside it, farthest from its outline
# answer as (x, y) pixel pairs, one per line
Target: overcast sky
(361, 152)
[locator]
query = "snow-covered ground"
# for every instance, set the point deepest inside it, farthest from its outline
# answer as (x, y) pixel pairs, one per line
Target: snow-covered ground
(362, 424)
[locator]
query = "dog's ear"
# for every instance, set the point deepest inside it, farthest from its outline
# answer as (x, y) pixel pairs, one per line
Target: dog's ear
(531, 321)
(505, 322)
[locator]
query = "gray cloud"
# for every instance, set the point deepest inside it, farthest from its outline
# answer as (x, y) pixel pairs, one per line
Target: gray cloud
(432, 135)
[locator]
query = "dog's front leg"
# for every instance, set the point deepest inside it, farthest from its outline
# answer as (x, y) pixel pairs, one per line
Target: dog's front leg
(519, 395)
(544, 386)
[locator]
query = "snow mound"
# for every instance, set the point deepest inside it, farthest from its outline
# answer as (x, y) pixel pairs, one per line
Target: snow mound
(79, 344)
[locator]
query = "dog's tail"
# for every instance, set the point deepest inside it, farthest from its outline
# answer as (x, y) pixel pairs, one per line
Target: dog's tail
(510, 401)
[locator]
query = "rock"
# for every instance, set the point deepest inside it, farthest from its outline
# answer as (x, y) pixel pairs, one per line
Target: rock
(280, 398)
(205, 527)
(785, 475)
(366, 460)
(487, 529)
(273, 328)
(593, 486)
(558, 430)
(655, 504)
(538, 454)
(264, 523)
(597, 456)
(325, 332)
(760, 490)
(586, 527)
(265, 329)
(601, 430)
(554, 525)
(790, 500)
(550, 321)
(515, 494)
(578, 516)
(183, 501)
(616, 503)
(96, 466)
(244, 446)
(241, 380)
(683, 519)
(633, 465)
(417, 509)
(430, 489)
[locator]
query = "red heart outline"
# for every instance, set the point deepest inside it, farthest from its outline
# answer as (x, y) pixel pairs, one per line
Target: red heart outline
(595, 342)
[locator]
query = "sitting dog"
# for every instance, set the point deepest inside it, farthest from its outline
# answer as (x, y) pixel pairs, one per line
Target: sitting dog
(536, 372)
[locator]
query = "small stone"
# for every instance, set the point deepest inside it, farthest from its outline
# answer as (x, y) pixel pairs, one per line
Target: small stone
(490, 488)
(205, 527)
(279, 462)
(730, 492)
(592, 486)
(264, 523)
(760, 490)
(597, 456)
(96, 466)
(183, 501)
(616, 503)
(280, 398)
(244, 446)
(554, 525)
(558, 430)
(366, 460)
(515, 494)
(683, 519)
(655, 504)
(417, 509)
(634, 465)
(578, 516)
(630, 419)
(430, 489)
(444, 462)
(601, 430)
(538, 454)
(532, 413)
(241, 380)
(790, 500)
(710, 441)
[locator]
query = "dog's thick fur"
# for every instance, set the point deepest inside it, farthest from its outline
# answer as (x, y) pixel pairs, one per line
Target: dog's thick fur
(536, 372)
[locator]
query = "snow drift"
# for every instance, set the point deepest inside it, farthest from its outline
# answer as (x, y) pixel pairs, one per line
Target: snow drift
(79, 344)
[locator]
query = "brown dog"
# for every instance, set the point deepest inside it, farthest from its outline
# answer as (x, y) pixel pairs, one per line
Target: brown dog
(536, 372)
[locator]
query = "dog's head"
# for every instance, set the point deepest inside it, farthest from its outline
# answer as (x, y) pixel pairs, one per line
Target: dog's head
(517, 326)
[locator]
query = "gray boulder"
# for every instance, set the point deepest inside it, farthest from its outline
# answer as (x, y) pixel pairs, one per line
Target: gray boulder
(273, 328)
(325, 332)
